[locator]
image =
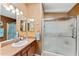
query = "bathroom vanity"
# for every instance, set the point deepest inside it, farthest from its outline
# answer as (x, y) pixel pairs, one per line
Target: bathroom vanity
(19, 25)
(26, 50)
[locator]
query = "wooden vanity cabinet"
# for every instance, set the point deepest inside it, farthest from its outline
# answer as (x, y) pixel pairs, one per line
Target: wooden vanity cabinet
(31, 51)
(24, 52)
(28, 50)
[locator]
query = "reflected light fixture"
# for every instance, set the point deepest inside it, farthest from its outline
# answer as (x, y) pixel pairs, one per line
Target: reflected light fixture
(17, 13)
(32, 20)
(21, 12)
(17, 10)
(11, 7)
(13, 11)
(6, 7)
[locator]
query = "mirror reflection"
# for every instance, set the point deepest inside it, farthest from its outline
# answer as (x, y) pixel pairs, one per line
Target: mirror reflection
(7, 22)
(8, 16)
(31, 25)
(23, 25)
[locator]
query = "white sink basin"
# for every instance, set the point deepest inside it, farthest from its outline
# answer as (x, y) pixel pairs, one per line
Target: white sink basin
(20, 43)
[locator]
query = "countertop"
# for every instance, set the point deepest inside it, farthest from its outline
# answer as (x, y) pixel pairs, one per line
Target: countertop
(8, 50)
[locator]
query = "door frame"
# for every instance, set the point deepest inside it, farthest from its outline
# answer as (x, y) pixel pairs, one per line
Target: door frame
(7, 30)
(42, 31)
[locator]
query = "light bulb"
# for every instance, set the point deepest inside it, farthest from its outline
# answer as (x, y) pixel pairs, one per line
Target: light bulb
(6, 7)
(17, 10)
(32, 20)
(11, 7)
(13, 11)
(21, 12)
(17, 13)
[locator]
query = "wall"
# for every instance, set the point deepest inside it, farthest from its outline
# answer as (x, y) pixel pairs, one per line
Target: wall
(74, 11)
(23, 8)
(5, 21)
(35, 11)
(54, 15)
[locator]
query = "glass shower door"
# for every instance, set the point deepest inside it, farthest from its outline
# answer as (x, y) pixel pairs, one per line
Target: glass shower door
(60, 37)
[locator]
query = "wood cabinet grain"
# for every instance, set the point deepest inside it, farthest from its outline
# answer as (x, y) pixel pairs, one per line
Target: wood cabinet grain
(27, 51)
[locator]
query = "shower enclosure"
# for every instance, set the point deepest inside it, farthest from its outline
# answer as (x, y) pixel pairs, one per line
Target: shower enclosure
(60, 36)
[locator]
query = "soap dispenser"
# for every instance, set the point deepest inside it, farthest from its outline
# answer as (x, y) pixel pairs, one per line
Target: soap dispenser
(38, 36)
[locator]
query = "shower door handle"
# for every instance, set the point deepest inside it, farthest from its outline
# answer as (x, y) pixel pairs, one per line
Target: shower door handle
(74, 34)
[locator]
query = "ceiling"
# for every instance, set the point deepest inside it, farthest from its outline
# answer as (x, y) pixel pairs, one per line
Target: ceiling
(58, 7)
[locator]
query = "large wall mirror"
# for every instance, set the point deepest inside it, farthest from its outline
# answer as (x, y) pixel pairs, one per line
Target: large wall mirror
(7, 22)
(9, 15)
(23, 25)
(31, 25)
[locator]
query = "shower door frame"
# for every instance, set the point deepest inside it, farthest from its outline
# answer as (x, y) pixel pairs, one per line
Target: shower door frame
(42, 33)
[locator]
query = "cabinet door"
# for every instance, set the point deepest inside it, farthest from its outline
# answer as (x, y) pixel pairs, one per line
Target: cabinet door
(24, 52)
(31, 51)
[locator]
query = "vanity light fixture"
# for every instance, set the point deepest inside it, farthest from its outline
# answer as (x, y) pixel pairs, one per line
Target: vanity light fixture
(32, 20)
(6, 7)
(11, 7)
(13, 11)
(17, 10)
(17, 13)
